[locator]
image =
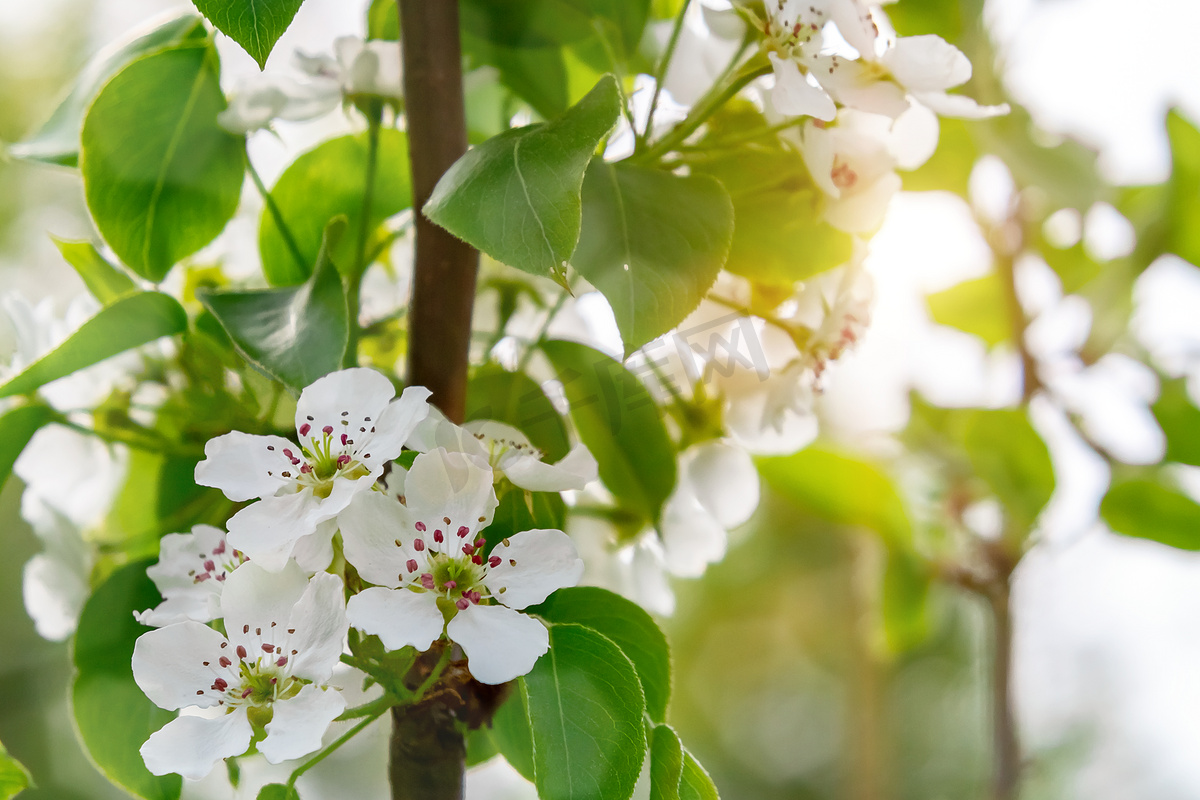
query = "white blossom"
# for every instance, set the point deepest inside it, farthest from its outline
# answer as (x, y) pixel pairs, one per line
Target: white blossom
(349, 427)
(285, 635)
(190, 575)
(433, 571)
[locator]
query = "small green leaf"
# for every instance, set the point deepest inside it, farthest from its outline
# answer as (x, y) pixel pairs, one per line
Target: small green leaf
(666, 763)
(113, 717)
(543, 23)
(383, 20)
(694, 783)
(1184, 185)
(326, 182)
(905, 601)
(278, 791)
(516, 196)
(1180, 421)
(652, 242)
(977, 306)
(515, 399)
(585, 712)
(1009, 456)
(105, 281)
(295, 335)
(839, 489)
(511, 735)
(524, 511)
(124, 325)
(14, 778)
(538, 75)
(1146, 509)
(618, 420)
(480, 747)
(254, 24)
(628, 626)
(161, 177)
(19, 425)
(57, 141)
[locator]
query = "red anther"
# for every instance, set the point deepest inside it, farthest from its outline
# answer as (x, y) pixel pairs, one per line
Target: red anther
(219, 549)
(476, 597)
(209, 565)
(464, 531)
(412, 565)
(306, 469)
(327, 430)
(281, 661)
(345, 439)
(289, 455)
(450, 584)
(469, 549)
(295, 461)
(220, 685)
(427, 581)
(437, 537)
(494, 561)
(418, 545)
(241, 651)
(343, 460)
(224, 662)
(247, 693)
(477, 559)
(221, 577)
(480, 542)
(203, 576)
(268, 648)
(462, 603)
(304, 429)
(420, 526)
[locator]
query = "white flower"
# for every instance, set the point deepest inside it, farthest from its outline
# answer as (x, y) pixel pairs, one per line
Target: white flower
(852, 164)
(190, 575)
(792, 31)
(507, 451)
(429, 566)
(350, 427)
(55, 582)
(285, 636)
(357, 68)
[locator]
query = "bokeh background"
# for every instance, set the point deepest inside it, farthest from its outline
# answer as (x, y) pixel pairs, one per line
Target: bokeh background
(782, 688)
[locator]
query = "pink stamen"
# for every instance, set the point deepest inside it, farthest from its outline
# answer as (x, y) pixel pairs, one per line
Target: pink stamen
(437, 537)
(464, 531)
(289, 455)
(304, 429)
(462, 603)
(420, 526)
(268, 648)
(418, 545)
(494, 561)
(241, 652)
(209, 565)
(219, 549)
(412, 565)
(343, 460)
(345, 439)
(247, 693)
(327, 430)
(450, 584)
(477, 559)
(306, 469)
(281, 661)
(220, 685)
(224, 662)
(427, 580)
(469, 549)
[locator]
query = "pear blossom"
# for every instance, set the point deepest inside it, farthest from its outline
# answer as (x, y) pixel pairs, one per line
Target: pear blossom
(433, 571)
(792, 38)
(507, 451)
(190, 575)
(851, 163)
(349, 426)
(55, 582)
(356, 68)
(285, 635)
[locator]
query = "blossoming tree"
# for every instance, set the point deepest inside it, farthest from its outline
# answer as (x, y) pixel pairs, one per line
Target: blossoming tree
(458, 510)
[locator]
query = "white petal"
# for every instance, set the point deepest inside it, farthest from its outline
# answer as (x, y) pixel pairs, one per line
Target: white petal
(353, 396)
(854, 23)
(192, 746)
(298, 723)
(54, 594)
(252, 107)
(533, 564)
(575, 470)
(794, 96)
(267, 531)
(817, 148)
(724, 480)
(371, 525)
(310, 99)
(957, 105)
(168, 664)
(501, 644)
(254, 598)
(395, 424)
(196, 607)
(692, 538)
(238, 464)
(863, 212)
(397, 616)
(926, 63)
(914, 137)
(443, 484)
(320, 625)
(852, 84)
(315, 551)
(436, 431)
(648, 579)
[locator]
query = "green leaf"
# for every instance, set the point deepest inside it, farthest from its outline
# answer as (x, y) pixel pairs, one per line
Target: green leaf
(666, 763)
(652, 242)
(295, 335)
(1184, 186)
(842, 490)
(694, 783)
(543, 23)
(105, 281)
(112, 715)
(515, 399)
(1146, 509)
(161, 177)
(628, 626)
(124, 325)
(538, 75)
(977, 306)
(516, 196)
(480, 747)
(1180, 421)
(278, 791)
(520, 510)
(618, 420)
(1009, 456)
(19, 425)
(57, 141)
(585, 712)
(326, 182)
(254, 24)
(905, 602)
(511, 735)
(383, 20)
(14, 778)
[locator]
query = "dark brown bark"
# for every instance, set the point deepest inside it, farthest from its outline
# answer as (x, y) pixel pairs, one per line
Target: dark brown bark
(1006, 748)
(444, 267)
(427, 754)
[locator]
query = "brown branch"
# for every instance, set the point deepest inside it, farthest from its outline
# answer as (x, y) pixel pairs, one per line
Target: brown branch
(1006, 748)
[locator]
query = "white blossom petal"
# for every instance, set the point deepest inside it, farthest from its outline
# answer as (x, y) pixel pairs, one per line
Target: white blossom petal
(794, 96)
(724, 480)
(319, 623)
(436, 431)
(267, 531)
(396, 423)
(192, 746)
(533, 564)
(254, 598)
(957, 105)
(299, 722)
(575, 470)
(314, 552)
(397, 616)
(354, 395)
(501, 644)
(54, 593)
(241, 465)
(863, 211)
(926, 63)
(442, 484)
(168, 664)
(371, 526)
(692, 538)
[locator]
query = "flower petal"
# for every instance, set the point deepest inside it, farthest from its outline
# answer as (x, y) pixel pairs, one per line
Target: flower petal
(397, 616)
(532, 565)
(352, 396)
(317, 627)
(926, 63)
(501, 644)
(436, 431)
(255, 597)
(169, 664)
(794, 96)
(192, 746)
(299, 722)
(575, 470)
(692, 538)
(244, 466)
(395, 424)
(314, 552)
(957, 105)
(724, 480)
(371, 526)
(267, 531)
(442, 484)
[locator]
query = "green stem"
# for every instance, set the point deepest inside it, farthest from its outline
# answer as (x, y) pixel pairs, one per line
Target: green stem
(374, 708)
(708, 106)
(341, 740)
(660, 70)
(434, 674)
(145, 442)
(541, 335)
(277, 215)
